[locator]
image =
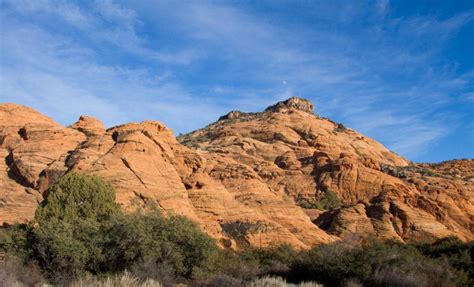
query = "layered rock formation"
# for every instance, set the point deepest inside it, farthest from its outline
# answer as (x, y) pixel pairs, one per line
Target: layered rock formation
(283, 175)
(311, 159)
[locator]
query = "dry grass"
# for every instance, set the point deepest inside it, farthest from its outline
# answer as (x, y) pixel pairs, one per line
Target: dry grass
(123, 280)
(279, 282)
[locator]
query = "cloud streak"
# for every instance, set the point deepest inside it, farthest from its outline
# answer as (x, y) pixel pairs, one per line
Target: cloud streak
(186, 64)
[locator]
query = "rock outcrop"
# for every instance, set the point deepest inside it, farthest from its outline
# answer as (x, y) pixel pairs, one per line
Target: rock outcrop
(308, 158)
(280, 176)
(292, 103)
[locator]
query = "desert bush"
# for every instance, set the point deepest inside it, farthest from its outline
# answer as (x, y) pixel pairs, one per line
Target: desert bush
(150, 269)
(15, 241)
(13, 272)
(235, 269)
(453, 251)
(373, 263)
(221, 280)
(66, 251)
(78, 196)
(74, 238)
(269, 281)
(175, 240)
(276, 260)
(399, 264)
(329, 264)
(393, 276)
(81, 230)
(328, 201)
(69, 238)
(239, 266)
(125, 279)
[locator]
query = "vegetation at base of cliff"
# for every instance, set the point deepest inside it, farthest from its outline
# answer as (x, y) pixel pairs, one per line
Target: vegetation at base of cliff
(78, 197)
(80, 230)
(92, 243)
(328, 201)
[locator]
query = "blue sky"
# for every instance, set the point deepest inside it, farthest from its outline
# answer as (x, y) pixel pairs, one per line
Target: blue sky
(401, 72)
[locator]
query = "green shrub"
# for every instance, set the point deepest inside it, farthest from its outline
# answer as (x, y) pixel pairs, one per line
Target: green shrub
(14, 240)
(241, 266)
(150, 236)
(81, 231)
(457, 253)
(60, 251)
(273, 260)
(329, 201)
(374, 263)
(69, 240)
(391, 260)
(78, 196)
(329, 264)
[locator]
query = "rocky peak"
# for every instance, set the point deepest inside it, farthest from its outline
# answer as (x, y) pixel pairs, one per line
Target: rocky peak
(231, 115)
(89, 126)
(292, 103)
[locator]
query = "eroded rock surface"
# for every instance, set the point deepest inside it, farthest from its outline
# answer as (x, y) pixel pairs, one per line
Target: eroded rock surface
(310, 159)
(284, 175)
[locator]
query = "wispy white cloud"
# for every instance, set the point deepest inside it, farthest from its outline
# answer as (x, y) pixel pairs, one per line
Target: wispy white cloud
(101, 21)
(225, 57)
(351, 84)
(63, 78)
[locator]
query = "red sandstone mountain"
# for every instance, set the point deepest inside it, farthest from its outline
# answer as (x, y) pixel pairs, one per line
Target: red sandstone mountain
(283, 175)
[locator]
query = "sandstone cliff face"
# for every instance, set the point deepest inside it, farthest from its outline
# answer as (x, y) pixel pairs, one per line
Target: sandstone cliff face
(246, 179)
(147, 167)
(33, 148)
(308, 158)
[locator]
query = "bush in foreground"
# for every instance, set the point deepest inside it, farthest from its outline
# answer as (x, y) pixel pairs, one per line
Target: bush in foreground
(279, 282)
(80, 230)
(80, 235)
(13, 272)
(125, 279)
(152, 239)
(78, 197)
(374, 263)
